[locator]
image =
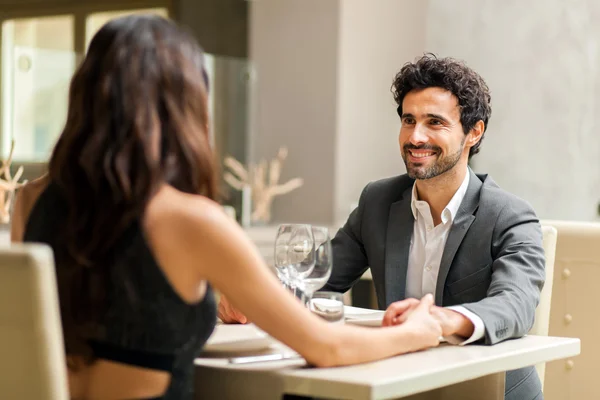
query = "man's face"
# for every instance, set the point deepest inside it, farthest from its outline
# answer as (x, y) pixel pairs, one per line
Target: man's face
(431, 139)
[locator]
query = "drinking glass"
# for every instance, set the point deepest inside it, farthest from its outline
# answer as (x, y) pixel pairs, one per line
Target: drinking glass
(323, 264)
(294, 253)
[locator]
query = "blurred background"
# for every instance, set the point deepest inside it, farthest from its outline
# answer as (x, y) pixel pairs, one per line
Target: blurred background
(315, 76)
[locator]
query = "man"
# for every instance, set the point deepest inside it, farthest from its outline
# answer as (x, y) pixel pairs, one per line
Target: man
(442, 229)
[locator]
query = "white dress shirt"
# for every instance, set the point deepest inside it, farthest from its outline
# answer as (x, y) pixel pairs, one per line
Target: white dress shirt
(426, 249)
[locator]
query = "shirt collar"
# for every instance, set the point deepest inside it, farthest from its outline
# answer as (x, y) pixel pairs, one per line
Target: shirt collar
(451, 209)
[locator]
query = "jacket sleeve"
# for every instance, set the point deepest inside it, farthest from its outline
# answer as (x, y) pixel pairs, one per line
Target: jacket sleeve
(349, 256)
(518, 274)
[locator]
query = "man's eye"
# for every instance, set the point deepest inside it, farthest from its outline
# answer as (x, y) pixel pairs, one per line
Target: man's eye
(408, 121)
(435, 122)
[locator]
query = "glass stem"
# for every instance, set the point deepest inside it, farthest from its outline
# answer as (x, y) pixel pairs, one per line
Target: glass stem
(305, 298)
(297, 292)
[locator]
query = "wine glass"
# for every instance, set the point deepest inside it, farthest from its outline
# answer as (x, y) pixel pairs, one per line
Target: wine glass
(323, 264)
(294, 253)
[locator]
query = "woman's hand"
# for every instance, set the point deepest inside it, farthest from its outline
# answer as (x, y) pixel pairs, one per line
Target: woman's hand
(229, 314)
(416, 316)
(398, 312)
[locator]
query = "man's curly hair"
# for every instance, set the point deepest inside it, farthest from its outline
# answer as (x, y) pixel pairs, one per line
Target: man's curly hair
(469, 88)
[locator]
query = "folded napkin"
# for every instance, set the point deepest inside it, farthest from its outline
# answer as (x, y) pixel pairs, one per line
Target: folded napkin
(328, 309)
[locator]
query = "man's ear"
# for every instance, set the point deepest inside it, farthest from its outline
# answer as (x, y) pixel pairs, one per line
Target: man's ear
(475, 135)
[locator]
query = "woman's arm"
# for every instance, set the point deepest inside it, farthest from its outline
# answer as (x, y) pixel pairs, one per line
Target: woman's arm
(222, 254)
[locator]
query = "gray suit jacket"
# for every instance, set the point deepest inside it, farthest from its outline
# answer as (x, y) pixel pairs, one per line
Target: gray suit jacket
(492, 264)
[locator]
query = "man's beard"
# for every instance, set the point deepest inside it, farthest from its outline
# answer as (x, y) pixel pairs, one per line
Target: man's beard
(439, 166)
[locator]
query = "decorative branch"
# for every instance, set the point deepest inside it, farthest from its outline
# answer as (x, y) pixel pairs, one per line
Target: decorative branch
(236, 167)
(8, 185)
(233, 181)
(287, 187)
(262, 179)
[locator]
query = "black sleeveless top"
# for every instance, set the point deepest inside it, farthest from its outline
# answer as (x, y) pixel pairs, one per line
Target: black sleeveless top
(146, 323)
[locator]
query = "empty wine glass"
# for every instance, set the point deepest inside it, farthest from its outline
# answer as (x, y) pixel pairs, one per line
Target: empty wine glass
(294, 253)
(323, 264)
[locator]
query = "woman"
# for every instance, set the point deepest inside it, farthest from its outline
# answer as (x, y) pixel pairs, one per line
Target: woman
(128, 210)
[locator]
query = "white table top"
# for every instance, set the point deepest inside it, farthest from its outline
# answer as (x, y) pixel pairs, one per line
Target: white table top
(407, 374)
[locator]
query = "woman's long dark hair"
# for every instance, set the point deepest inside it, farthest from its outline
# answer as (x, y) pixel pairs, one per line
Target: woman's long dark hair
(137, 118)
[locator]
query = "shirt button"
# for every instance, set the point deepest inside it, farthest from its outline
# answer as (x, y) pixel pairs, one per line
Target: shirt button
(428, 268)
(429, 229)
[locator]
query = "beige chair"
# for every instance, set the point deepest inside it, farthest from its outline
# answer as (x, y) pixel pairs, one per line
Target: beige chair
(575, 310)
(32, 361)
(542, 313)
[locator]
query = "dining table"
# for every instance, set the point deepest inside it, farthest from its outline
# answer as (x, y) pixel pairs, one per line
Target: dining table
(229, 369)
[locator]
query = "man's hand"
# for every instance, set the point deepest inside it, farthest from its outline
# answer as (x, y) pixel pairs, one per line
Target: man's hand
(452, 322)
(229, 314)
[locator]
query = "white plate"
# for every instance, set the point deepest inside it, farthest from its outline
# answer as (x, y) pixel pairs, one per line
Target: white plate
(238, 338)
(356, 312)
(363, 316)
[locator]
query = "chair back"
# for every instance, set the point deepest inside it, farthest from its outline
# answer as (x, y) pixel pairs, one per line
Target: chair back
(574, 310)
(32, 361)
(542, 312)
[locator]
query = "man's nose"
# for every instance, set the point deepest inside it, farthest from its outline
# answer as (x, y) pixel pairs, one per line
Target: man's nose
(418, 135)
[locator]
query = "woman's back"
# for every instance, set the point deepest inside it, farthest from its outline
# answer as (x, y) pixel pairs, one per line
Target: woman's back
(144, 322)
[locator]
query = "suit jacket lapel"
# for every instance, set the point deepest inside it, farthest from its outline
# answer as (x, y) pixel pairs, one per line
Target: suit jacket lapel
(462, 222)
(397, 247)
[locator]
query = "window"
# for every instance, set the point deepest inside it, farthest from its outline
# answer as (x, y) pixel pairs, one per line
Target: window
(38, 61)
(95, 21)
(40, 53)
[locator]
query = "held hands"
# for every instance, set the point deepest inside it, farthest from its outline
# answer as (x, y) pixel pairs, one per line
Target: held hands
(451, 322)
(416, 315)
(422, 314)
(229, 314)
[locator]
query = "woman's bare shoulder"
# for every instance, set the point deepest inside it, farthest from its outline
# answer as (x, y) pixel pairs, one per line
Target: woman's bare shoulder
(172, 207)
(174, 216)
(35, 187)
